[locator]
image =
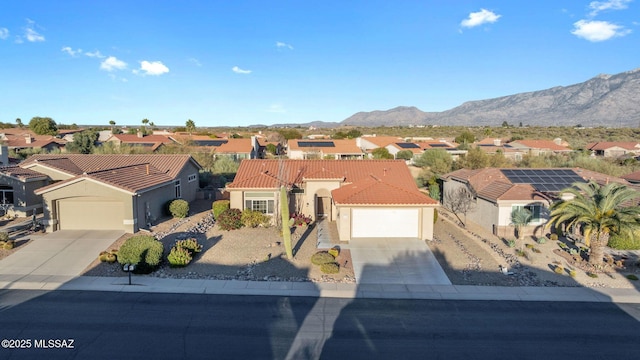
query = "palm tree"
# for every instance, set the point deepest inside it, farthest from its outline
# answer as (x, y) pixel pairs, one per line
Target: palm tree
(190, 126)
(599, 211)
(520, 217)
(113, 124)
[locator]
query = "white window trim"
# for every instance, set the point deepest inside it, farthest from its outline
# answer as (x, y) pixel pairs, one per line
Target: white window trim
(192, 177)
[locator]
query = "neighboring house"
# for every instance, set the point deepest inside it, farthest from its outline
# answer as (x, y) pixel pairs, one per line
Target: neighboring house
(540, 147)
(493, 146)
(123, 192)
(368, 143)
(263, 143)
(151, 142)
(366, 198)
(495, 193)
(21, 139)
(614, 148)
(396, 147)
(324, 149)
(236, 149)
(448, 146)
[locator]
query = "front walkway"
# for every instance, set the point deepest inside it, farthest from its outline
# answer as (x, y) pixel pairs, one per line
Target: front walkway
(64, 252)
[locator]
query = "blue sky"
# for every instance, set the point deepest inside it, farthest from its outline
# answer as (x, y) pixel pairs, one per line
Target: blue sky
(240, 62)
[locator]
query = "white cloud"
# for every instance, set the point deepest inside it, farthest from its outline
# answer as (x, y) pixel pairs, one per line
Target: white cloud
(483, 16)
(195, 62)
(31, 34)
(281, 45)
(237, 70)
(112, 63)
(4, 33)
(598, 6)
(595, 31)
(71, 52)
(95, 54)
(152, 68)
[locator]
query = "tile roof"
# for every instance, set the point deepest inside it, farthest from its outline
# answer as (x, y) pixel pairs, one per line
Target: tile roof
(478, 178)
(634, 176)
(18, 139)
(128, 172)
(382, 141)
(375, 191)
(21, 173)
(236, 146)
(605, 145)
(385, 181)
(341, 146)
(504, 191)
(600, 178)
(539, 144)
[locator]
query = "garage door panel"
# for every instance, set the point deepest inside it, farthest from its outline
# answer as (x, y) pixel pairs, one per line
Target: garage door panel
(385, 222)
(89, 213)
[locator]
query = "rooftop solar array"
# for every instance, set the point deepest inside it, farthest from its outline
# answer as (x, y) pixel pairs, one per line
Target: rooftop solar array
(316, 144)
(408, 145)
(211, 142)
(544, 180)
(438, 145)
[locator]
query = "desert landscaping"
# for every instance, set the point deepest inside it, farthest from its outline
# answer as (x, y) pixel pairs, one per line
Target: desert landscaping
(469, 256)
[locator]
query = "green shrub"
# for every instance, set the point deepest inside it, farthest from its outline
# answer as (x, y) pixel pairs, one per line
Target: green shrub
(334, 251)
(322, 257)
(541, 240)
(573, 273)
(511, 243)
(252, 218)
(4, 236)
(230, 219)
(529, 246)
(219, 207)
(624, 243)
(144, 251)
(554, 237)
(179, 257)
(179, 208)
(592, 275)
(632, 277)
(330, 268)
(9, 244)
(190, 245)
(559, 270)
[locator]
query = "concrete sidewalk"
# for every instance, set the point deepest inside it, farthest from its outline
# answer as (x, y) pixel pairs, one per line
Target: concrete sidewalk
(352, 291)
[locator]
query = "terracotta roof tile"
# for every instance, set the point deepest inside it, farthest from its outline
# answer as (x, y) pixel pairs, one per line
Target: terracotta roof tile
(382, 141)
(604, 145)
(540, 144)
(341, 146)
(395, 185)
(375, 191)
(21, 173)
(235, 146)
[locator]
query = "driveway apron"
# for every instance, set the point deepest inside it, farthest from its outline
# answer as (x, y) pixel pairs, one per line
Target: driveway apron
(61, 253)
(395, 261)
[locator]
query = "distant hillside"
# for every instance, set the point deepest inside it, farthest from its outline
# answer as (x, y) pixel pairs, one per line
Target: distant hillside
(605, 100)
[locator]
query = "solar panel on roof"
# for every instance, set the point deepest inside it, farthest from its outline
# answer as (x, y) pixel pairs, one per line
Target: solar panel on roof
(316, 144)
(438, 145)
(408, 145)
(211, 142)
(544, 180)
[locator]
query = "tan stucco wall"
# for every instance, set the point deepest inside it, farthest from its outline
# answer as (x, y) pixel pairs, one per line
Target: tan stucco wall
(87, 188)
(312, 189)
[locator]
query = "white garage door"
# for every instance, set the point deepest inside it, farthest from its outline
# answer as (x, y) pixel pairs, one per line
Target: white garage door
(384, 222)
(89, 213)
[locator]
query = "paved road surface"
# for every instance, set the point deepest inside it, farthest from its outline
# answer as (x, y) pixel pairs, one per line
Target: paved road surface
(172, 326)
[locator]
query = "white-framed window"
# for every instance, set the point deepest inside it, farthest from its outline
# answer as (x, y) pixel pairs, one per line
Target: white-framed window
(6, 194)
(535, 210)
(178, 189)
(260, 201)
(192, 177)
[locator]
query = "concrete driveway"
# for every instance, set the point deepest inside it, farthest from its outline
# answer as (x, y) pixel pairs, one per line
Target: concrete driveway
(395, 261)
(61, 253)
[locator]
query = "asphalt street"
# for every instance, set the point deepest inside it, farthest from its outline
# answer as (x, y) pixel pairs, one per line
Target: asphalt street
(116, 325)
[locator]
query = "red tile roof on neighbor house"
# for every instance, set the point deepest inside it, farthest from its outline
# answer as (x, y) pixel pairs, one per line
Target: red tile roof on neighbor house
(382, 141)
(128, 172)
(540, 144)
(341, 146)
(20, 173)
(236, 146)
(370, 176)
(605, 145)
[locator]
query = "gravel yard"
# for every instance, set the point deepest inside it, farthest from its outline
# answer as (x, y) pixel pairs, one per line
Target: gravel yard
(245, 254)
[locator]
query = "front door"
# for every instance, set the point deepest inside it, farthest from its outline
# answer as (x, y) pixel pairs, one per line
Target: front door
(323, 207)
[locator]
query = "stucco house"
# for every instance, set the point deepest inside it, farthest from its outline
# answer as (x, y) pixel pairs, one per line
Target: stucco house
(336, 149)
(614, 148)
(495, 193)
(150, 142)
(366, 198)
(124, 192)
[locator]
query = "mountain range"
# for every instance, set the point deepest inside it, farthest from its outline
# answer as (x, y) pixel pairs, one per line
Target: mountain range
(605, 100)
